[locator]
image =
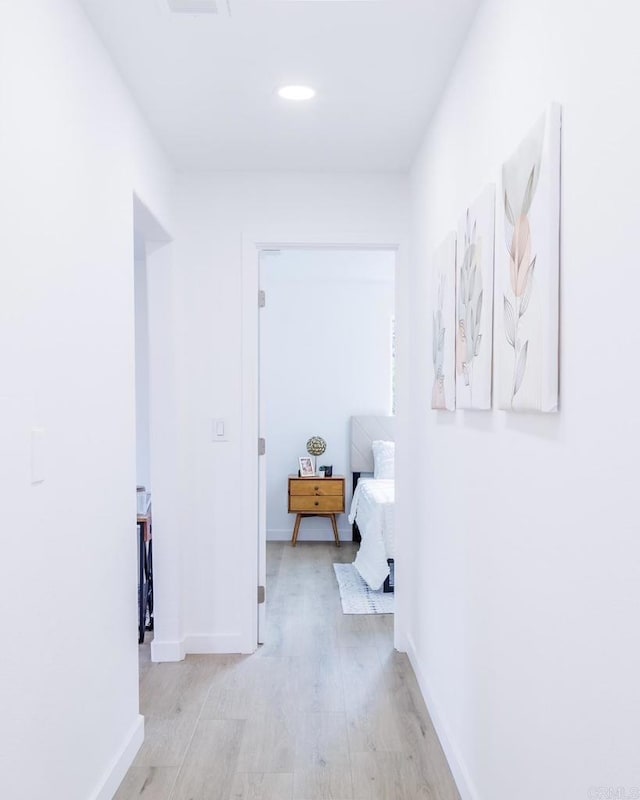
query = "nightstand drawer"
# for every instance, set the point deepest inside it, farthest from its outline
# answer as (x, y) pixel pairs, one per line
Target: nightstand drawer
(308, 486)
(305, 503)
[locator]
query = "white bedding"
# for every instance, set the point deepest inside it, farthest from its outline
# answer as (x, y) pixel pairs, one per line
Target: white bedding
(373, 509)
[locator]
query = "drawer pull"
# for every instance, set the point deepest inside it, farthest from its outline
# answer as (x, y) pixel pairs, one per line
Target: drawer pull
(316, 503)
(315, 488)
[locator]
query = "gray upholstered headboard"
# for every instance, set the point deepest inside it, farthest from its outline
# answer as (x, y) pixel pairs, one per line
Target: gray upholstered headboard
(364, 431)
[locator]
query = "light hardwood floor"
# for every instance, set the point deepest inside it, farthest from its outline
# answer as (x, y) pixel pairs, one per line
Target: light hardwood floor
(324, 710)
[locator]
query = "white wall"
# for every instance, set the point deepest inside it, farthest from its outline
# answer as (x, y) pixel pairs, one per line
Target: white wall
(213, 213)
(524, 573)
(325, 350)
(72, 151)
(143, 472)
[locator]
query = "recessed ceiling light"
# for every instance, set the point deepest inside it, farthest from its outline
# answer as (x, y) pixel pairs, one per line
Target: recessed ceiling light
(296, 92)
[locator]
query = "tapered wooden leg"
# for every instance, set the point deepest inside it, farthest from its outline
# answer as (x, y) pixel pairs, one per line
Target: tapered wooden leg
(296, 528)
(335, 529)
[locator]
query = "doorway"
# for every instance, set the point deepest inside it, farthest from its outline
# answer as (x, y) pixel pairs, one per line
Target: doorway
(326, 354)
(153, 329)
(144, 493)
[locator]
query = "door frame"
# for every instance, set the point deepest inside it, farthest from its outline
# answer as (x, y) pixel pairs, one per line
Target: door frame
(253, 243)
(168, 640)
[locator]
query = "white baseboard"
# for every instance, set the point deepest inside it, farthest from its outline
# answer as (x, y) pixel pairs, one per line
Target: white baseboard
(399, 638)
(203, 644)
(121, 763)
(310, 535)
(458, 769)
(167, 651)
(200, 644)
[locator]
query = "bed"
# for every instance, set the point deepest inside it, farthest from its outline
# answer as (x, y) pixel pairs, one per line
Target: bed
(373, 504)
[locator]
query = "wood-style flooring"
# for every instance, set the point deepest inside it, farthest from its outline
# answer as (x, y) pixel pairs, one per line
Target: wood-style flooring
(324, 710)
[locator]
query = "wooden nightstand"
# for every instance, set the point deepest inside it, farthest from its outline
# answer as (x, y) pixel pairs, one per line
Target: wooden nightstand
(316, 497)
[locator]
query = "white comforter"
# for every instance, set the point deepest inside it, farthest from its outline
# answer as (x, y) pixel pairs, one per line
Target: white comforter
(372, 507)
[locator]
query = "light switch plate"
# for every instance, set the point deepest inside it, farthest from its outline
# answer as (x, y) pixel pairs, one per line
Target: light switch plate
(219, 430)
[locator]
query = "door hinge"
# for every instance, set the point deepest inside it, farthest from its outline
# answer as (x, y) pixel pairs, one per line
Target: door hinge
(261, 595)
(262, 446)
(262, 298)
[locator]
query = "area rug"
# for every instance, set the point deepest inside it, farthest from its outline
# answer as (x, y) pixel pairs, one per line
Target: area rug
(357, 597)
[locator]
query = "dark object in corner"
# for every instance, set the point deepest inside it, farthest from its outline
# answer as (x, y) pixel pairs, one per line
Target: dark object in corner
(354, 528)
(390, 582)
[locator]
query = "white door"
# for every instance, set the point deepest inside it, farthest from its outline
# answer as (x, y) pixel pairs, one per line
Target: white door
(262, 482)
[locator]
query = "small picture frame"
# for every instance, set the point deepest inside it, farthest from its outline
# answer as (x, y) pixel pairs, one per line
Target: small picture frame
(306, 467)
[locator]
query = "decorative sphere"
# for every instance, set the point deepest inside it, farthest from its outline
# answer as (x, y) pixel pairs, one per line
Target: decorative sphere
(316, 446)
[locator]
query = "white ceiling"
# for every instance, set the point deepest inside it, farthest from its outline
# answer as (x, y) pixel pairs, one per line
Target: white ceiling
(206, 83)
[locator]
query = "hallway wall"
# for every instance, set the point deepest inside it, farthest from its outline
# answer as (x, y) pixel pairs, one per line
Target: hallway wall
(143, 471)
(73, 149)
(523, 582)
(213, 212)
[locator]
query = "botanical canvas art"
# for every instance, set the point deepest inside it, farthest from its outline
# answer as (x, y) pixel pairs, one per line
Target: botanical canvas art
(443, 395)
(474, 303)
(528, 272)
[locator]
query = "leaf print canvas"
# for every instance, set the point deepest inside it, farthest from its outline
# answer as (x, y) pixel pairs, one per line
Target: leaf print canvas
(443, 292)
(474, 303)
(528, 272)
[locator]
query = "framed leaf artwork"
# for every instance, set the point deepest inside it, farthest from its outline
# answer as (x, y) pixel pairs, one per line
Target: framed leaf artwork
(528, 271)
(443, 394)
(474, 303)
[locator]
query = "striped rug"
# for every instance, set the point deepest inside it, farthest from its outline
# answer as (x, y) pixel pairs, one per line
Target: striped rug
(357, 597)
